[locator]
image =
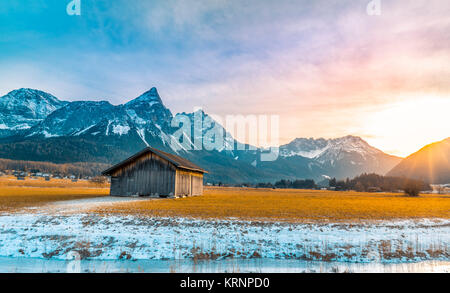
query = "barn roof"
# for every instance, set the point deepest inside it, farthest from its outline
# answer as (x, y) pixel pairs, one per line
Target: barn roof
(178, 161)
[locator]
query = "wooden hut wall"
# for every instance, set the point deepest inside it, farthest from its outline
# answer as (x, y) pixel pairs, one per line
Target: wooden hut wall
(197, 184)
(182, 183)
(149, 175)
(189, 183)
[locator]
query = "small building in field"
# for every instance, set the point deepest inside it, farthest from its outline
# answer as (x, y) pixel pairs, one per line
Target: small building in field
(152, 172)
(374, 189)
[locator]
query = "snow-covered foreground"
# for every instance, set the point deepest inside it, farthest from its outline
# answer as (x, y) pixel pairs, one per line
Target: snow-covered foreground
(98, 238)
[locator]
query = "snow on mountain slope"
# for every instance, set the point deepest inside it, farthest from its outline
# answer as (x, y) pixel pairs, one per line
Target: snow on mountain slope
(338, 148)
(146, 116)
(305, 147)
(74, 119)
(146, 121)
(211, 134)
(330, 149)
(343, 157)
(23, 108)
(148, 109)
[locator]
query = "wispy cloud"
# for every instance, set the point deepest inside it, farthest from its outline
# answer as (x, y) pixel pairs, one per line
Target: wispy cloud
(324, 66)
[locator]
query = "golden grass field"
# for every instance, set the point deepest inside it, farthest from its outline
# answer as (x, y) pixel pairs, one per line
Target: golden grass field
(15, 194)
(242, 203)
(291, 205)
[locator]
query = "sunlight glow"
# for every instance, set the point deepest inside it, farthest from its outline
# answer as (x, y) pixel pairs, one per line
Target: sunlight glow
(405, 127)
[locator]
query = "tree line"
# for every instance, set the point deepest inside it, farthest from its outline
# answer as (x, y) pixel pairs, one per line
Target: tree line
(363, 183)
(375, 182)
(76, 169)
(295, 184)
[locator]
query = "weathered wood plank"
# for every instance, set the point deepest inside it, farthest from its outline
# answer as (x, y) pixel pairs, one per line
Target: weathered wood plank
(152, 175)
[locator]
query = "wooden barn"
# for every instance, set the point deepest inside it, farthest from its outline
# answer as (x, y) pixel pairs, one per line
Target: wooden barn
(152, 172)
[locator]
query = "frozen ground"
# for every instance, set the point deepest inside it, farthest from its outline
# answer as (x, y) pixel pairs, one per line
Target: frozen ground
(116, 237)
(61, 232)
(83, 205)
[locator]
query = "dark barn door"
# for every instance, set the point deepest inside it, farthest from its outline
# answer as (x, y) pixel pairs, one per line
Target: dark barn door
(115, 186)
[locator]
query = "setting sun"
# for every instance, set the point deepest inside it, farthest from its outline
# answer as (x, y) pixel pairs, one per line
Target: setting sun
(395, 129)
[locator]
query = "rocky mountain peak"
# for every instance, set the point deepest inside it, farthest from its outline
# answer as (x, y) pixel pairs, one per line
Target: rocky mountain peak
(151, 96)
(25, 96)
(313, 148)
(23, 108)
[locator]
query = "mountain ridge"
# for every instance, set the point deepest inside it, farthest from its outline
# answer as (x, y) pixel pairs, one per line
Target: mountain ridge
(112, 132)
(431, 164)
(23, 108)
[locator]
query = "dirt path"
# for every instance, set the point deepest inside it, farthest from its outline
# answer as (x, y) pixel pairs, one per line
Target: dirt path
(81, 205)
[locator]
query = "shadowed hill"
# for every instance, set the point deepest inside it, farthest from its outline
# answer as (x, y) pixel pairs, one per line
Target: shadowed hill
(431, 164)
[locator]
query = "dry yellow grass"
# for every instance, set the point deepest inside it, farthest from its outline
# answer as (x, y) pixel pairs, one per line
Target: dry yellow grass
(242, 203)
(40, 182)
(291, 205)
(15, 194)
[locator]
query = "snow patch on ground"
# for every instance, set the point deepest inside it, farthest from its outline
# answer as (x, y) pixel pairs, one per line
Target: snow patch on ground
(84, 205)
(95, 237)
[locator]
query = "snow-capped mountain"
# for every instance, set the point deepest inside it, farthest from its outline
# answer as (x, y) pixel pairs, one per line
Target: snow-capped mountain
(205, 130)
(149, 117)
(305, 147)
(88, 131)
(148, 109)
(145, 116)
(73, 119)
(24, 108)
(341, 157)
(329, 150)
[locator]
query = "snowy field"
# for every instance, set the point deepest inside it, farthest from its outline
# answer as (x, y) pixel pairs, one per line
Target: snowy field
(61, 232)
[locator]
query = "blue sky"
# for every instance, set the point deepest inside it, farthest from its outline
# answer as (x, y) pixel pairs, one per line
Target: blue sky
(326, 67)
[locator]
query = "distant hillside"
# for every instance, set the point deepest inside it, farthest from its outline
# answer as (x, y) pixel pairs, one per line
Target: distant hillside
(431, 164)
(77, 169)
